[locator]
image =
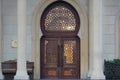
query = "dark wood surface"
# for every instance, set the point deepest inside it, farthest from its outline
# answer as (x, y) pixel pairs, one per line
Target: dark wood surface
(53, 60)
(59, 27)
(9, 69)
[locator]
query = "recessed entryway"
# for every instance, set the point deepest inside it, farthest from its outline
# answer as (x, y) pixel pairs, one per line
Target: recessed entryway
(82, 33)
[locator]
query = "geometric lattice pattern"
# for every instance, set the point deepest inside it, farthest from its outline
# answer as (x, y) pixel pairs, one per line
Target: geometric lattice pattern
(68, 51)
(60, 18)
(50, 52)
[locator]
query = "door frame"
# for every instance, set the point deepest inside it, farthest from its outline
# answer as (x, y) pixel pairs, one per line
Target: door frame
(83, 34)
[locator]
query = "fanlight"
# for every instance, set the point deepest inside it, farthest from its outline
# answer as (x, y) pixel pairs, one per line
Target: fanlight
(60, 17)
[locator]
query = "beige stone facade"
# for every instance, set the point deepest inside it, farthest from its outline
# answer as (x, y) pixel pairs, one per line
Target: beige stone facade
(99, 33)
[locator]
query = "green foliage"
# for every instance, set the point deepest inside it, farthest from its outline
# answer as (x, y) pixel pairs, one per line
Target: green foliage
(117, 61)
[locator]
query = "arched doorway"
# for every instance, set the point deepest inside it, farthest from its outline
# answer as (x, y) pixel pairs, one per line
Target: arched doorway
(83, 34)
(60, 45)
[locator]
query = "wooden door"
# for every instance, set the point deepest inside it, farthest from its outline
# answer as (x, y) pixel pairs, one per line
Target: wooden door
(60, 58)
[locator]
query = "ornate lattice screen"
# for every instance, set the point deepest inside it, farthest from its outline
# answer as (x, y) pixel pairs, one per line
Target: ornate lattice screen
(60, 17)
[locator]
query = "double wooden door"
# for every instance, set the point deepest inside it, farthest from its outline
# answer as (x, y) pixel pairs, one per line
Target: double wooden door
(60, 58)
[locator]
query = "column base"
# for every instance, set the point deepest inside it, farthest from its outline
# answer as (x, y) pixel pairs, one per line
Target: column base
(89, 73)
(1, 77)
(21, 76)
(96, 75)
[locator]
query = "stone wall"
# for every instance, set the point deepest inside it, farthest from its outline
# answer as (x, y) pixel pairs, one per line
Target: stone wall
(110, 12)
(9, 21)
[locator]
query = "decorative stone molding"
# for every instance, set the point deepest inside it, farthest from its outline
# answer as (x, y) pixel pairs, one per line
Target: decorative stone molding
(36, 35)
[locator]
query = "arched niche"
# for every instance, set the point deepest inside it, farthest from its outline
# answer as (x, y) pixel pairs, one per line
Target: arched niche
(36, 34)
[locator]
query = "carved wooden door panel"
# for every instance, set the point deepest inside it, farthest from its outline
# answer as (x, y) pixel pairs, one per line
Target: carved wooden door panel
(60, 58)
(49, 55)
(70, 58)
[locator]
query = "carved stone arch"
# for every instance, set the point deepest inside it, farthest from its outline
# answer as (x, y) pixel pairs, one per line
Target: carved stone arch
(36, 34)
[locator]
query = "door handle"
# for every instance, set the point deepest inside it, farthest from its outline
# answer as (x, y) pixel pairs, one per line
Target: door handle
(61, 55)
(58, 63)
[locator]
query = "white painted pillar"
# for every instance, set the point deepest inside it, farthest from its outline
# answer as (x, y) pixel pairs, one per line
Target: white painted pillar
(21, 60)
(95, 33)
(1, 75)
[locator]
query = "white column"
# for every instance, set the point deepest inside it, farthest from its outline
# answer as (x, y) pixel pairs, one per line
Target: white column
(21, 60)
(95, 33)
(1, 75)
